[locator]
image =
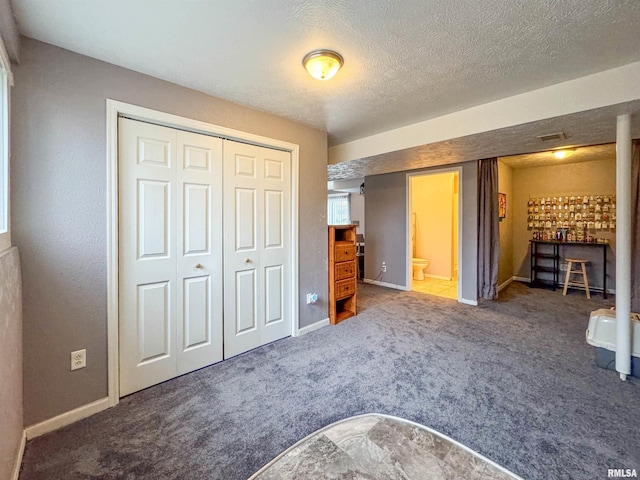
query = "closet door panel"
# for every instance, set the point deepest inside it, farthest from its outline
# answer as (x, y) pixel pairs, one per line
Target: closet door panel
(243, 277)
(246, 302)
(275, 253)
(273, 208)
(170, 253)
(257, 227)
(197, 315)
(147, 259)
(153, 322)
(273, 294)
(199, 272)
(196, 219)
(192, 251)
(245, 220)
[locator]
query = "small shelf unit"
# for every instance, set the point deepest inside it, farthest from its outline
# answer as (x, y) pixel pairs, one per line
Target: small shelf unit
(342, 273)
(546, 260)
(545, 264)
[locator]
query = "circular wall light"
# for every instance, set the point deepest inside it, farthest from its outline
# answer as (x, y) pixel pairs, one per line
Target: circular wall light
(322, 64)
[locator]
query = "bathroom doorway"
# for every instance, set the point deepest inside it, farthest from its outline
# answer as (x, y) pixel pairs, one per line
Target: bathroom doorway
(433, 226)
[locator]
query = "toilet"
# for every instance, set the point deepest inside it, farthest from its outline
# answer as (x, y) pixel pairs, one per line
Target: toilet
(419, 266)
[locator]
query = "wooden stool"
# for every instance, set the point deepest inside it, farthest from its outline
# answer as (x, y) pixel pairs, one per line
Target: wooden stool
(583, 270)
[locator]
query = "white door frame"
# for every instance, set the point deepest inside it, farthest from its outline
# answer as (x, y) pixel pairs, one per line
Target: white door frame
(114, 110)
(422, 173)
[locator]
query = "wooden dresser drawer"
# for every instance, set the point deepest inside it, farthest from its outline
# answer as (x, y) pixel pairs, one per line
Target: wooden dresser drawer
(345, 288)
(344, 252)
(345, 270)
(342, 270)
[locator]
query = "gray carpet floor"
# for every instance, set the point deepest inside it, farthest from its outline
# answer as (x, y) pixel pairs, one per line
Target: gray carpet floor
(513, 379)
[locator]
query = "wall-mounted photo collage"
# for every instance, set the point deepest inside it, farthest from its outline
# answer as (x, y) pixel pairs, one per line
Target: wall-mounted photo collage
(575, 218)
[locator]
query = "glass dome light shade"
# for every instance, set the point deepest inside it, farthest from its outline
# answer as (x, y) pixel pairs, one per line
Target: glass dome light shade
(322, 64)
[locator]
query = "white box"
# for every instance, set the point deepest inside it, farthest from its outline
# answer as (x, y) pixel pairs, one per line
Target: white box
(601, 333)
(602, 330)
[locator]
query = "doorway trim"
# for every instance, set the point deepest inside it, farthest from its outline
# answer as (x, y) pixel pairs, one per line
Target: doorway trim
(116, 109)
(421, 173)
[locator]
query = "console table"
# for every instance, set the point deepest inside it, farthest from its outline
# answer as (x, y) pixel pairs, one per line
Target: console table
(545, 258)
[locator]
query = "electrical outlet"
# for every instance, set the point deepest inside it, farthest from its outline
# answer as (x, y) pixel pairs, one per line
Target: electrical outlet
(78, 359)
(312, 298)
(384, 267)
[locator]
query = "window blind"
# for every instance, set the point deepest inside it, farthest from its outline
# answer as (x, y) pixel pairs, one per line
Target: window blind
(338, 209)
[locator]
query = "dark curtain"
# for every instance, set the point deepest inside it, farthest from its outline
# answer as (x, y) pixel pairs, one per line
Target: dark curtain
(635, 227)
(488, 229)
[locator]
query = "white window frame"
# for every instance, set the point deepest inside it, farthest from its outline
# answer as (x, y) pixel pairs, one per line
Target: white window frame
(335, 196)
(6, 82)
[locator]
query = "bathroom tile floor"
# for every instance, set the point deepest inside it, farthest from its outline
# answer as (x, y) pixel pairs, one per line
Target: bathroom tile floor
(437, 286)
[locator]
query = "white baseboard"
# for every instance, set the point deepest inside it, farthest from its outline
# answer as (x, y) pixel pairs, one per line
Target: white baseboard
(469, 302)
(528, 280)
(505, 284)
(312, 327)
(66, 418)
(439, 277)
(385, 284)
(18, 464)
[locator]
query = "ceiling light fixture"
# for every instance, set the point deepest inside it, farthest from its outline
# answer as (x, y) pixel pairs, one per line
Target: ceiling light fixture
(322, 64)
(564, 153)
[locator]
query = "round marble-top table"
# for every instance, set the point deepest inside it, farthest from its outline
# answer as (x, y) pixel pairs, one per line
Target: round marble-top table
(376, 446)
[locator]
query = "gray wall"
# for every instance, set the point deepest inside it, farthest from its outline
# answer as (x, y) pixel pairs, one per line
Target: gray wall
(386, 237)
(469, 233)
(357, 211)
(385, 216)
(59, 209)
(10, 360)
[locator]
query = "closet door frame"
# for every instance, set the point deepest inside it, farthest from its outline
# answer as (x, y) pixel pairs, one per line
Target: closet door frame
(117, 109)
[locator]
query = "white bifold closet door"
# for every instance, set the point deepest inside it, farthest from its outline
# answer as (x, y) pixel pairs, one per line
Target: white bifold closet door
(173, 210)
(170, 253)
(257, 249)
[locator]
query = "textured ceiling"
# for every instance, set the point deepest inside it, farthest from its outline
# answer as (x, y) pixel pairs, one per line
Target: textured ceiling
(405, 61)
(583, 154)
(593, 127)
